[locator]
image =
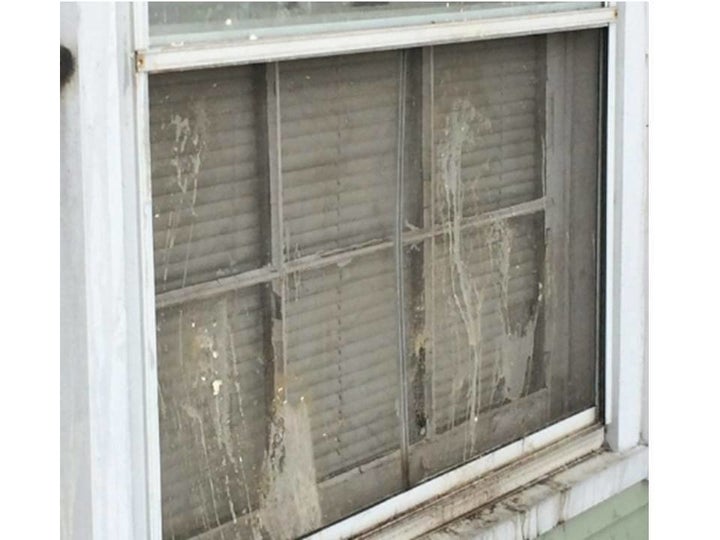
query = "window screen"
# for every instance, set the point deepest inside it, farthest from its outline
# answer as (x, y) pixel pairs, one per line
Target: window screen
(369, 269)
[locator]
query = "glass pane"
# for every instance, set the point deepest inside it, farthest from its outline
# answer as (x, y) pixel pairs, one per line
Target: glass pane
(213, 410)
(339, 150)
(489, 102)
(207, 183)
(178, 23)
(479, 341)
(342, 368)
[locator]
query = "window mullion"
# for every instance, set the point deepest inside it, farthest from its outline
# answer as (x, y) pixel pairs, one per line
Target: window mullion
(428, 181)
(277, 252)
(399, 267)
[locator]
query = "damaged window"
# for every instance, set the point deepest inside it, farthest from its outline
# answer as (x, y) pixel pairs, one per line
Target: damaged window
(369, 269)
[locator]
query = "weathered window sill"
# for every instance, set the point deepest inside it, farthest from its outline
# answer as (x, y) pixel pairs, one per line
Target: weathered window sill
(556, 498)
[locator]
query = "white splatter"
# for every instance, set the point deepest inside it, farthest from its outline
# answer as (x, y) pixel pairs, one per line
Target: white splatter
(290, 502)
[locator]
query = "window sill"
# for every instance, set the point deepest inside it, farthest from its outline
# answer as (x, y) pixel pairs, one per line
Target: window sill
(558, 497)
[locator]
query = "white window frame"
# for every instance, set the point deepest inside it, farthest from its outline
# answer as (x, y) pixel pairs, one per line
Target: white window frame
(110, 442)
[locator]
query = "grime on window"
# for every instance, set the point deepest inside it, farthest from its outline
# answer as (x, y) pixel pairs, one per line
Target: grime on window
(369, 269)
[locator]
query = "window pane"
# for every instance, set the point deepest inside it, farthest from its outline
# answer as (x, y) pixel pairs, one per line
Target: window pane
(339, 150)
(342, 364)
(206, 175)
(488, 121)
(479, 343)
(178, 23)
(213, 411)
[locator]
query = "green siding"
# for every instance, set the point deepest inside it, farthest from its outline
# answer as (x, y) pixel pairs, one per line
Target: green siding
(623, 517)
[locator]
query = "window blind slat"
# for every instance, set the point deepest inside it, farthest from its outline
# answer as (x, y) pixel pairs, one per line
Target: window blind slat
(347, 352)
(339, 127)
(486, 121)
(212, 409)
(504, 302)
(207, 190)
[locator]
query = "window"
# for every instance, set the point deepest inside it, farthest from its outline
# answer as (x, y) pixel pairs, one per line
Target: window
(369, 269)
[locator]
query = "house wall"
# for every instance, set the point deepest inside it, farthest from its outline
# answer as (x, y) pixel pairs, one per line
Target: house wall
(622, 517)
(75, 477)
(102, 449)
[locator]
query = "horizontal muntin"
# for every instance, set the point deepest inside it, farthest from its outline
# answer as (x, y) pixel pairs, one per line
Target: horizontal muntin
(218, 286)
(163, 59)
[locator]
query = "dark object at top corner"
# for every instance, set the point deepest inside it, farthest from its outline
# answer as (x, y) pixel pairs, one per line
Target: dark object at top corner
(67, 65)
